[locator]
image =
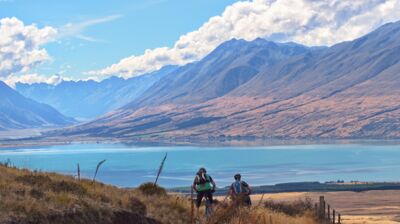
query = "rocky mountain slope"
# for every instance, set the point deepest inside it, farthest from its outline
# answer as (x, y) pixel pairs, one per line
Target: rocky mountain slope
(18, 112)
(350, 90)
(229, 66)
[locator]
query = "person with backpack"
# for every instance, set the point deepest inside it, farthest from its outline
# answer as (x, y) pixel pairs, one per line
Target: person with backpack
(204, 186)
(240, 191)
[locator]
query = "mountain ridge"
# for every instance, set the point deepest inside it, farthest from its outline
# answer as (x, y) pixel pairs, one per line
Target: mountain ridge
(88, 99)
(217, 73)
(17, 112)
(349, 90)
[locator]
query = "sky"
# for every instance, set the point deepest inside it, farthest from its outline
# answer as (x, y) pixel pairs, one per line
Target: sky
(49, 41)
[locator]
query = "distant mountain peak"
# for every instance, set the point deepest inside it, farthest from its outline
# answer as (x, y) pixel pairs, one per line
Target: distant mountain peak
(88, 99)
(18, 112)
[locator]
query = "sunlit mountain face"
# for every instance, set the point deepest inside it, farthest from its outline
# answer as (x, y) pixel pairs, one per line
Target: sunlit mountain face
(264, 89)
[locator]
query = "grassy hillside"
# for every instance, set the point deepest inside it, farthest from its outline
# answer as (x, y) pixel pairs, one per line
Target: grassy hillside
(36, 197)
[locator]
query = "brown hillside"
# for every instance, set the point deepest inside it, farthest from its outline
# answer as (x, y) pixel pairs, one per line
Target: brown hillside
(36, 198)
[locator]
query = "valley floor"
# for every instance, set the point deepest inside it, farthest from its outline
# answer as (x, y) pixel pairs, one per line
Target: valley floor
(369, 207)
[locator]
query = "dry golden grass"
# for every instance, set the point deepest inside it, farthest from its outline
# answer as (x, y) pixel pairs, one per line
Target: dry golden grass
(369, 207)
(43, 197)
(36, 197)
(358, 219)
(227, 212)
(258, 215)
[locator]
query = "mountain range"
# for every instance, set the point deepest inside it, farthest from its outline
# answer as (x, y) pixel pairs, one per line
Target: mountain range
(17, 112)
(265, 89)
(229, 66)
(86, 100)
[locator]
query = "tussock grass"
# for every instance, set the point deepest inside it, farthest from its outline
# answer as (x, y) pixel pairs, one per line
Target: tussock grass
(152, 189)
(230, 213)
(38, 197)
(265, 216)
(295, 208)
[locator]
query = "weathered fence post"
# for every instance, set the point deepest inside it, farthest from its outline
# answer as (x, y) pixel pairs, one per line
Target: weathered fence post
(323, 212)
(160, 169)
(79, 172)
(191, 206)
(97, 170)
(316, 210)
(333, 216)
(321, 207)
(329, 212)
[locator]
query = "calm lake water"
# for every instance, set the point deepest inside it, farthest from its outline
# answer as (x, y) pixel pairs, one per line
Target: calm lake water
(128, 166)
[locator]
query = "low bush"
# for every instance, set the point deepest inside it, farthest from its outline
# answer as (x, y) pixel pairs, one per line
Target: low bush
(295, 208)
(152, 189)
(33, 179)
(64, 186)
(137, 206)
(36, 193)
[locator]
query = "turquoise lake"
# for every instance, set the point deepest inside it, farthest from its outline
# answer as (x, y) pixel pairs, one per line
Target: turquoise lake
(128, 166)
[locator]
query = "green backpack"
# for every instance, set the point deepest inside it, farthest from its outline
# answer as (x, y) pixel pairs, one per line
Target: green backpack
(203, 182)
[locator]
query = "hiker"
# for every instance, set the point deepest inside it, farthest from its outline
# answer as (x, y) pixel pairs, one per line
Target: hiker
(202, 186)
(240, 191)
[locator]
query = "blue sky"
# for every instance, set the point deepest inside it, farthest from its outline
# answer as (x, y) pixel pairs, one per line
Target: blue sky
(138, 25)
(98, 39)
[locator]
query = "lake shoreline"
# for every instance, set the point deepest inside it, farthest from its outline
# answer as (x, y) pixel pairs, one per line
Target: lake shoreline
(199, 142)
(131, 165)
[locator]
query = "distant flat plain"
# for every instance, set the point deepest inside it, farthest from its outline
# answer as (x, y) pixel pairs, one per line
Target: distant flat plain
(369, 207)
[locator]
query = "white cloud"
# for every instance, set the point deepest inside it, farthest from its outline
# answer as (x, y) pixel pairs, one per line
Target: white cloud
(33, 78)
(310, 22)
(76, 29)
(37, 78)
(21, 46)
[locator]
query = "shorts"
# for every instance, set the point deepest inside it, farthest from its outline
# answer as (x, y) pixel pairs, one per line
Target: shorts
(201, 194)
(242, 199)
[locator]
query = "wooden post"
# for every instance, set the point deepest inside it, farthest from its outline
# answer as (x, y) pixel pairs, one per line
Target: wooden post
(339, 219)
(329, 212)
(333, 217)
(191, 206)
(97, 170)
(316, 210)
(321, 207)
(160, 169)
(79, 172)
